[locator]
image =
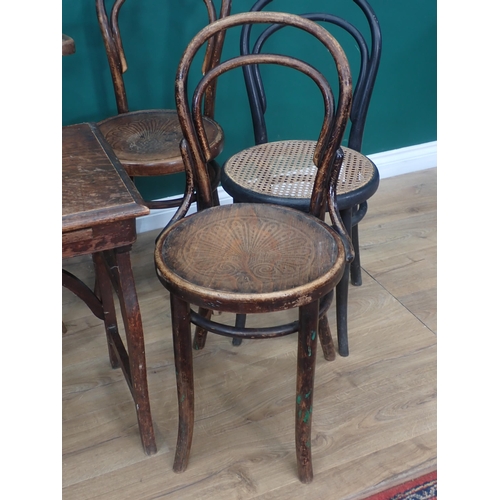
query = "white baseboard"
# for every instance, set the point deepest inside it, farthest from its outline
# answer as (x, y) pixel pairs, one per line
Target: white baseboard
(389, 163)
(405, 160)
(158, 219)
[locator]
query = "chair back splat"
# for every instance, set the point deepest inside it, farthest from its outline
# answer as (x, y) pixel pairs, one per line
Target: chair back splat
(249, 258)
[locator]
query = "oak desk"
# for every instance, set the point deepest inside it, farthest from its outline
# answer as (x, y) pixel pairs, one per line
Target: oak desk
(99, 208)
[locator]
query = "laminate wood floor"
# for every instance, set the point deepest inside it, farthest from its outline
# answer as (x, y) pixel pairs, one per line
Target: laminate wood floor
(374, 420)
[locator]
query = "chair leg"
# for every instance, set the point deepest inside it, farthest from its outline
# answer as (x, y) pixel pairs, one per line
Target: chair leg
(241, 320)
(200, 334)
(356, 279)
(357, 216)
(325, 337)
(183, 355)
(342, 291)
(306, 360)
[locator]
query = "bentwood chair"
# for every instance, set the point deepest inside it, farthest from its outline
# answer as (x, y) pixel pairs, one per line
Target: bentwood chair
(147, 141)
(290, 184)
(248, 258)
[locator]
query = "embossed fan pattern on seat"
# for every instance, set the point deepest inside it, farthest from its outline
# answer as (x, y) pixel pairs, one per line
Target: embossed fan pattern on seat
(248, 252)
(153, 136)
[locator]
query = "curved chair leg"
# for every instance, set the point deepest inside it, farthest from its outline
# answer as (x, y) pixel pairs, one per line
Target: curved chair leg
(306, 360)
(342, 291)
(183, 354)
(325, 337)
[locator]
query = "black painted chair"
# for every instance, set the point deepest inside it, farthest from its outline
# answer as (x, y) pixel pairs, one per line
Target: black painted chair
(252, 258)
(291, 184)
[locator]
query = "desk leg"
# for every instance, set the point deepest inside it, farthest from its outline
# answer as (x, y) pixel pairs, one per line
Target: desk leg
(119, 270)
(104, 289)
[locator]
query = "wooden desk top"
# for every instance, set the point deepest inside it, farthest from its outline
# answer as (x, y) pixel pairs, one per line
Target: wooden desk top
(95, 187)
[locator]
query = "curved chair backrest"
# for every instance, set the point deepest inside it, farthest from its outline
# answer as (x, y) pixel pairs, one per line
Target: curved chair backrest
(111, 35)
(328, 154)
(370, 53)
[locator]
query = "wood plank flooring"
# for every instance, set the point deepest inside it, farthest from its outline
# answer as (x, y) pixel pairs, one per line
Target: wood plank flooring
(374, 411)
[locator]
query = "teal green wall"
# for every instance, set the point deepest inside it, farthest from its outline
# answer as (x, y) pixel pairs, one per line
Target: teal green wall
(155, 33)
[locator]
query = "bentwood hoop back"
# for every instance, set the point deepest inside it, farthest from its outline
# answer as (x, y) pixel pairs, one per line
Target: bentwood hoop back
(147, 141)
(254, 258)
(290, 184)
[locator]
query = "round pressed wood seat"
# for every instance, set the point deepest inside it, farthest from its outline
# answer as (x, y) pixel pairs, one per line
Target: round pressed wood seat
(248, 258)
(147, 142)
(284, 171)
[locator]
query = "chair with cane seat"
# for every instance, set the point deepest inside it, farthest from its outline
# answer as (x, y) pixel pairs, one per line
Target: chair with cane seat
(290, 184)
(147, 141)
(275, 258)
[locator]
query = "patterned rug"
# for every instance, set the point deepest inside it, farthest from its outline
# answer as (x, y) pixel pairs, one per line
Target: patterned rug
(422, 488)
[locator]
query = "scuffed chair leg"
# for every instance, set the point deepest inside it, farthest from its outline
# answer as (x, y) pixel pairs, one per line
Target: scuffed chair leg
(306, 359)
(181, 331)
(342, 292)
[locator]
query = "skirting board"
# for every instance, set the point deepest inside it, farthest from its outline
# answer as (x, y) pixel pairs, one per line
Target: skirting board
(389, 163)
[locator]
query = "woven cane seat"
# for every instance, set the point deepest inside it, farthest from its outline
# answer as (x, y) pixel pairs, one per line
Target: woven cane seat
(147, 142)
(283, 172)
(251, 254)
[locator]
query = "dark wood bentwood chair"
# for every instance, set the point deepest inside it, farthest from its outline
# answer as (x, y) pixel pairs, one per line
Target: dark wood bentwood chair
(290, 183)
(247, 258)
(147, 141)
